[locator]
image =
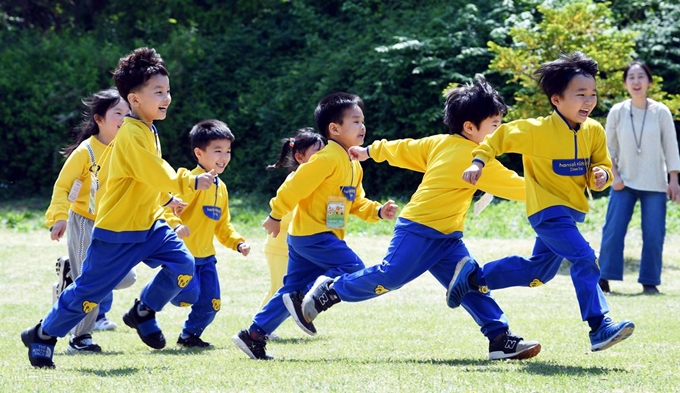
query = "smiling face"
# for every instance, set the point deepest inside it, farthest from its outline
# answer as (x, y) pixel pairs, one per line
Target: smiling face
(113, 118)
(151, 101)
(577, 100)
(637, 82)
(352, 130)
(486, 127)
(215, 156)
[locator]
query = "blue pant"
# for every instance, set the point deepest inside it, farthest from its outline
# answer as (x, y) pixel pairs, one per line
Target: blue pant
(558, 238)
(105, 306)
(309, 257)
(413, 250)
(203, 293)
(619, 212)
(106, 264)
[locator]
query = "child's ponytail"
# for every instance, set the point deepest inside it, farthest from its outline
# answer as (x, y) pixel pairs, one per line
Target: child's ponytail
(304, 138)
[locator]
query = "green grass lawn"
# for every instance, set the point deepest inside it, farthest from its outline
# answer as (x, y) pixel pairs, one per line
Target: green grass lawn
(405, 341)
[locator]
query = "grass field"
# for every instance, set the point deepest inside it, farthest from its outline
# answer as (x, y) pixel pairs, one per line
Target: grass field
(404, 341)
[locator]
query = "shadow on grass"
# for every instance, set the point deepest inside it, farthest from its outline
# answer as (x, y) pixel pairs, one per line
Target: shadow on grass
(538, 367)
(115, 372)
(637, 294)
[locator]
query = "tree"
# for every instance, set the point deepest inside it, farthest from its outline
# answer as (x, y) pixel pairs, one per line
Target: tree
(579, 25)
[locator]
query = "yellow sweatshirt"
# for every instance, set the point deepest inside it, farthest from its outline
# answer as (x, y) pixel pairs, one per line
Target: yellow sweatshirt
(278, 245)
(314, 183)
(139, 185)
(443, 198)
(558, 161)
(77, 167)
(206, 216)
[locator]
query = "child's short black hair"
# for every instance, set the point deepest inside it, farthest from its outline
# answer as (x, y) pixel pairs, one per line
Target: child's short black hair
(554, 76)
(332, 108)
(472, 102)
(207, 131)
(135, 69)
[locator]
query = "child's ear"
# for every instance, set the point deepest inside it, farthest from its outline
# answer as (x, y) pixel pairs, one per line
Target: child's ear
(299, 158)
(132, 100)
(198, 152)
(333, 129)
(468, 128)
(555, 99)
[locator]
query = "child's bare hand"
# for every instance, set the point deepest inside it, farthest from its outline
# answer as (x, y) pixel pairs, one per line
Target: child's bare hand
(177, 206)
(358, 153)
(272, 226)
(58, 230)
(182, 231)
(389, 210)
(205, 180)
(473, 173)
(244, 249)
(600, 178)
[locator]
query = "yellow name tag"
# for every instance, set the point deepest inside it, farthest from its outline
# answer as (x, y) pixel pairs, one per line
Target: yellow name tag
(335, 212)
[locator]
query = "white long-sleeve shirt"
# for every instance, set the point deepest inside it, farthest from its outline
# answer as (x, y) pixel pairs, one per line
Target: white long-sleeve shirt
(658, 145)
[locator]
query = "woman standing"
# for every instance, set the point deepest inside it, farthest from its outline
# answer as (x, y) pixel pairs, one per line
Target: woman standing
(644, 148)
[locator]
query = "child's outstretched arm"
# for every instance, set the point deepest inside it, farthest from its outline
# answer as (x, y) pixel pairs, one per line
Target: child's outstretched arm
(272, 226)
(600, 178)
(473, 173)
(359, 153)
(388, 211)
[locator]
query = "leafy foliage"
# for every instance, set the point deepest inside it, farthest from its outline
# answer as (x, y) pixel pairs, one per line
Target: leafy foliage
(580, 25)
(262, 65)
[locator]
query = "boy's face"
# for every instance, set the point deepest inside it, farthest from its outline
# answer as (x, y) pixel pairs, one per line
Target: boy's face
(577, 100)
(215, 156)
(352, 131)
(486, 127)
(151, 101)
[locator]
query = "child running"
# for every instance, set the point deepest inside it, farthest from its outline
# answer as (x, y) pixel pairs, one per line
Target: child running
(322, 194)
(563, 154)
(76, 195)
(205, 217)
(129, 227)
(428, 235)
(295, 151)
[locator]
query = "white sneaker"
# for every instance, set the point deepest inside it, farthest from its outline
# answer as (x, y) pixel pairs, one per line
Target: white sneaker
(105, 324)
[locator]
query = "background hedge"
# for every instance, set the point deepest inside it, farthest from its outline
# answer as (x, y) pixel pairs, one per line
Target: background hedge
(261, 66)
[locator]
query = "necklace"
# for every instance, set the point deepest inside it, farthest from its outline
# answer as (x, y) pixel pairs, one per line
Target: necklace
(638, 143)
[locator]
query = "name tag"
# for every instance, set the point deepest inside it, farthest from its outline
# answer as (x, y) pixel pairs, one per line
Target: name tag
(574, 167)
(349, 192)
(212, 212)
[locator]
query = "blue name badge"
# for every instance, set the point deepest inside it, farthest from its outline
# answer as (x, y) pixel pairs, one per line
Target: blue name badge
(573, 167)
(349, 192)
(212, 212)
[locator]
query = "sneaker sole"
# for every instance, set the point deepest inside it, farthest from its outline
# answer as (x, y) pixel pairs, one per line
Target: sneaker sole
(623, 334)
(459, 268)
(75, 351)
(243, 347)
(291, 309)
(525, 354)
